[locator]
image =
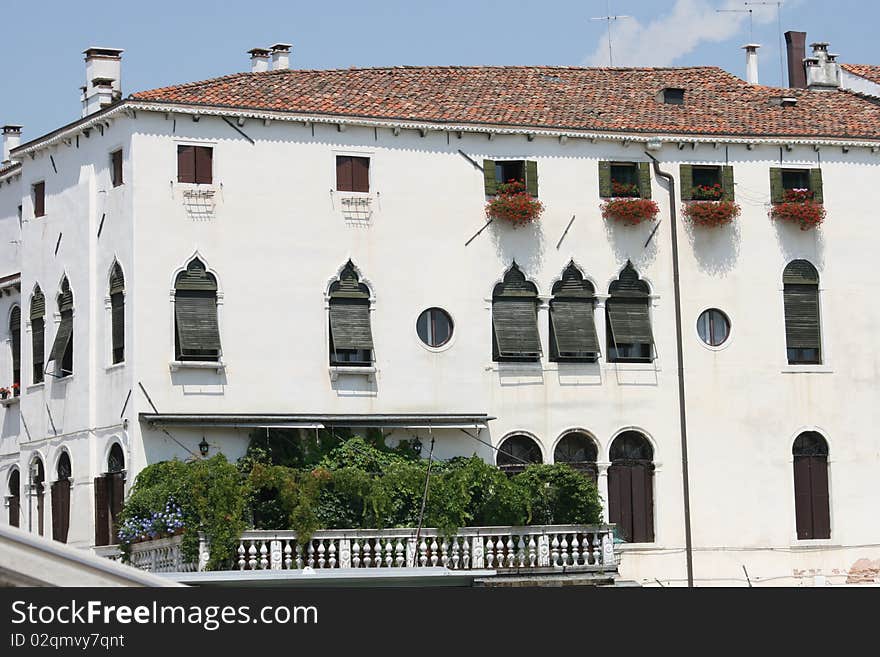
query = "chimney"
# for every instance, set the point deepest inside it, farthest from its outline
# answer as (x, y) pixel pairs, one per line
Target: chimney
(259, 60)
(795, 45)
(103, 78)
(751, 62)
(822, 69)
(280, 56)
(11, 140)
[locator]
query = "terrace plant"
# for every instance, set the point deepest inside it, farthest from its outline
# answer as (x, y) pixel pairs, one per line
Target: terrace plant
(711, 213)
(799, 207)
(630, 211)
(513, 204)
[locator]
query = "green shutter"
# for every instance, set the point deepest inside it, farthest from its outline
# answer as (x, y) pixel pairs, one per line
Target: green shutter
(39, 347)
(197, 328)
(515, 323)
(532, 177)
(350, 325)
(686, 175)
(38, 305)
(727, 183)
(801, 316)
(489, 177)
(630, 321)
(117, 280)
(573, 328)
(117, 317)
(644, 180)
(816, 185)
(605, 179)
(15, 330)
(777, 193)
(62, 337)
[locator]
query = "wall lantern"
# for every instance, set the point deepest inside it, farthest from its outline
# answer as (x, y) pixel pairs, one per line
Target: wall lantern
(203, 446)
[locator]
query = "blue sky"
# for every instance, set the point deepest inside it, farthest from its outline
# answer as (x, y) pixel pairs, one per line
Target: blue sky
(168, 42)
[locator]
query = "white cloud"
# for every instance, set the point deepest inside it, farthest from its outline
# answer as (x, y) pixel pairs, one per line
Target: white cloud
(666, 38)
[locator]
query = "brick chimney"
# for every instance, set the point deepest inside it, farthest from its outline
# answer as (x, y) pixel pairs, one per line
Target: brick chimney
(259, 60)
(822, 69)
(11, 140)
(103, 78)
(280, 55)
(795, 45)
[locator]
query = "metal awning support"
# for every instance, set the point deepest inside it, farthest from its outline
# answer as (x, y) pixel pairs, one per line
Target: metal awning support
(320, 421)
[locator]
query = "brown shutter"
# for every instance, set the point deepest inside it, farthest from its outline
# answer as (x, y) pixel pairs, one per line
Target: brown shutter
(643, 503)
(117, 496)
(60, 509)
(819, 497)
(116, 165)
(39, 199)
(41, 509)
(102, 509)
(620, 509)
(204, 158)
(15, 330)
(117, 306)
(344, 182)
(360, 174)
(803, 498)
(186, 164)
(14, 510)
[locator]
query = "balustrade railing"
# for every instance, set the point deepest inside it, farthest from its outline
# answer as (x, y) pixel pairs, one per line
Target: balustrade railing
(160, 556)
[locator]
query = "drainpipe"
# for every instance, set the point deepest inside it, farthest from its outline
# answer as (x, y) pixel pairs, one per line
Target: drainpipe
(682, 415)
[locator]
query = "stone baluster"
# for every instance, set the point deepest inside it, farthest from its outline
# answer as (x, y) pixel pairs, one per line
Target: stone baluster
(423, 553)
(389, 549)
(288, 555)
(465, 553)
(411, 551)
(434, 549)
(399, 553)
(252, 556)
(264, 556)
(241, 559)
(275, 555)
(444, 553)
(204, 552)
(310, 554)
(554, 550)
(368, 561)
(321, 551)
(331, 553)
(521, 553)
(344, 553)
(543, 551)
(455, 554)
(299, 556)
(356, 554)
(608, 557)
(490, 552)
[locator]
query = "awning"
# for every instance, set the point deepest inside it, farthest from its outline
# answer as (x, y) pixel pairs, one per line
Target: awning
(320, 421)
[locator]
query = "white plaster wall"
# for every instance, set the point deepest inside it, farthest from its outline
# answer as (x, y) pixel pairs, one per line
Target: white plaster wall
(858, 83)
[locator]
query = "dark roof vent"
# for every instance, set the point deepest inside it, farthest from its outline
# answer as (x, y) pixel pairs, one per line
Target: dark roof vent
(673, 96)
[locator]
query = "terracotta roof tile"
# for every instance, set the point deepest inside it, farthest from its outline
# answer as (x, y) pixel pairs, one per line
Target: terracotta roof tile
(600, 99)
(868, 71)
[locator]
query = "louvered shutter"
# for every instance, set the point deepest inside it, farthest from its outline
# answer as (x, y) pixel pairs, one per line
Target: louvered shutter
(801, 316)
(343, 174)
(102, 511)
(605, 180)
(15, 330)
(777, 191)
(816, 185)
(630, 321)
(360, 174)
(116, 166)
(821, 513)
(491, 185)
(728, 183)
(803, 499)
(645, 180)
(620, 500)
(643, 503)
(62, 337)
(197, 328)
(117, 329)
(204, 156)
(14, 510)
(39, 199)
(515, 323)
(350, 324)
(532, 177)
(686, 175)
(186, 164)
(573, 327)
(60, 509)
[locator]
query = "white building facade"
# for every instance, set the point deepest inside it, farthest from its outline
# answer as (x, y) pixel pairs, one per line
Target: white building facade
(264, 215)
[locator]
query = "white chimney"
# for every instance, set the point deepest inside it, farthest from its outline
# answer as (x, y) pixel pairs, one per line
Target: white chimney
(823, 71)
(280, 55)
(751, 62)
(103, 78)
(11, 140)
(259, 60)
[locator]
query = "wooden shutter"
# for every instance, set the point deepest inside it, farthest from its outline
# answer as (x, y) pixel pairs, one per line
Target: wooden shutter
(728, 183)
(686, 175)
(116, 167)
(38, 345)
(644, 180)
(820, 507)
(489, 181)
(41, 509)
(515, 323)
(204, 160)
(15, 330)
(60, 509)
(777, 191)
(350, 324)
(195, 312)
(801, 316)
(62, 337)
(344, 181)
(117, 320)
(620, 500)
(186, 164)
(532, 177)
(14, 510)
(605, 180)
(102, 511)
(360, 174)
(117, 497)
(803, 499)
(39, 199)
(573, 327)
(816, 185)
(630, 321)
(641, 476)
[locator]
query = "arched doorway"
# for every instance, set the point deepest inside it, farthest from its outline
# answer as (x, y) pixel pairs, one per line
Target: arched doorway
(811, 499)
(516, 452)
(109, 495)
(579, 451)
(631, 487)
(61, 499)
(14, 487)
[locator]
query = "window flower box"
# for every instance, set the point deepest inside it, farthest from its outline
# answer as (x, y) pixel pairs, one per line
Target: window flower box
(513, 204)
(711, 213)
(630, 211)
(707, 192)
(798, 206)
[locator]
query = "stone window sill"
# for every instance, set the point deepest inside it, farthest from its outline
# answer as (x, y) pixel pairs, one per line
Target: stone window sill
(114, 366)
(176, 365)
(9, 401)
(807, 369)
(368, 371)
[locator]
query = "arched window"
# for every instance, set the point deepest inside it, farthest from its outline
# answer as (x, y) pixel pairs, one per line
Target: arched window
(801, 301)
(811, 499)
(515, 319)
(61, 499)
(109, 495)
(117, 313)
(631, 487)
(572, 328)
(62, 348)
(516, 452)
(196, 330)
(14, 499)
(579, 451)
(38, 340)
(38, 476)
(351, 339)
(628, 321)
(15, 335)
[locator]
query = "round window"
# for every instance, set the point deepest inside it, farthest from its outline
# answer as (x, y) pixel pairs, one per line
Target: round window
(713, 327)
(434, 327)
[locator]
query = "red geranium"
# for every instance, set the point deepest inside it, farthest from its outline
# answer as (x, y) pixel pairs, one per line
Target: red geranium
(514, 204)
(707, 192)
(630, 211)
(798, 206)
(711, 213)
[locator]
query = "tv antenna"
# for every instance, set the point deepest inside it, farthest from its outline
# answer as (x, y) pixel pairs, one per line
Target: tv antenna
(778, 4)
(608, 19)
(750, 12)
